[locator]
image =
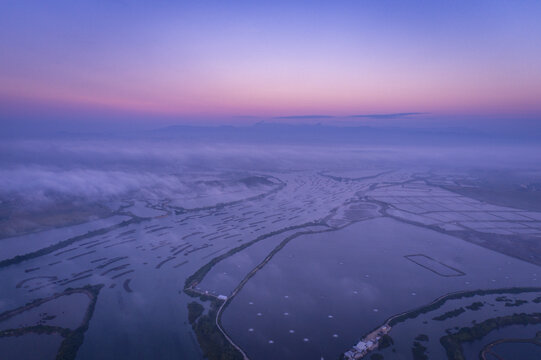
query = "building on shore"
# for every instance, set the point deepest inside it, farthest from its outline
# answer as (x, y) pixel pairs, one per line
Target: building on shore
(367, 344)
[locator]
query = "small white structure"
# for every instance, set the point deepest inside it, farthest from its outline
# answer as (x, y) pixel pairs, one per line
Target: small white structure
(222, 297)
(361, 346)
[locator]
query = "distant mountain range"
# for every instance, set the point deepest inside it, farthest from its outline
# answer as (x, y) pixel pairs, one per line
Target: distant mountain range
(302, 133)
(279, 132)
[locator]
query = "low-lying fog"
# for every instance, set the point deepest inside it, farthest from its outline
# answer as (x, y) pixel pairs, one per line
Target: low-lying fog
(65, 174)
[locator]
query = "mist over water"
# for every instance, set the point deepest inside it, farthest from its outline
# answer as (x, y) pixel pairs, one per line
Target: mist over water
(39, 173)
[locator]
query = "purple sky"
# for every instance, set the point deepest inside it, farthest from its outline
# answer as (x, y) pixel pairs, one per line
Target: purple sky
(242, 61)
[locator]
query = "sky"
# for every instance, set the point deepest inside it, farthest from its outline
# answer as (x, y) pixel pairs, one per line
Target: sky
(241, 61)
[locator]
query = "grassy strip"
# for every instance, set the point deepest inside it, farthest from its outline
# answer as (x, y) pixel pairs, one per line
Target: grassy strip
(59, 245)
(213, 343)
(195, 310)
(449, 314)
(37, 329)
(454, 296)
(200, 274)
(72, 342)
(475, 306)
(73, 339)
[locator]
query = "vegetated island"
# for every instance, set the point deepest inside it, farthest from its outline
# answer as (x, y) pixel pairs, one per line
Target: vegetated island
(377, 335)
(453, 342)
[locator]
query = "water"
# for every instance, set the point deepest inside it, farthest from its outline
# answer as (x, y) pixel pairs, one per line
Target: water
(362, 279)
